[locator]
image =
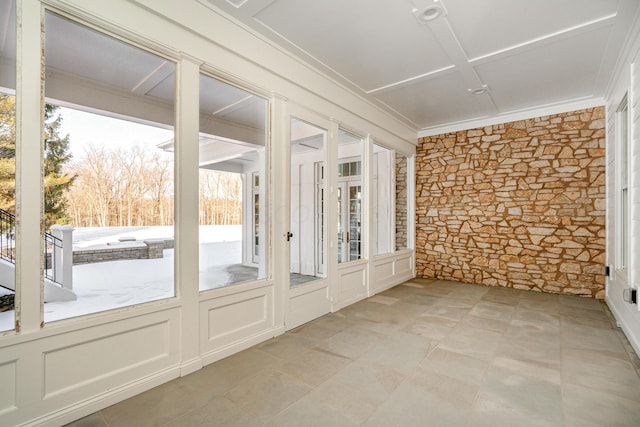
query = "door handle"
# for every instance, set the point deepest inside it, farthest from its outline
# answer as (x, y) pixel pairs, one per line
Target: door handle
(289, 236)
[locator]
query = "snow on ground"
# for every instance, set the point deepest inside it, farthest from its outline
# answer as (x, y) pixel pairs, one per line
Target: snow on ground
(108, 285)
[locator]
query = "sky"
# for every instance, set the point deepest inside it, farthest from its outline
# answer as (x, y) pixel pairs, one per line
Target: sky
(85, 129)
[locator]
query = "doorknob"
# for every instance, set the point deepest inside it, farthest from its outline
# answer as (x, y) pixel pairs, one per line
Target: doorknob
(289, 236)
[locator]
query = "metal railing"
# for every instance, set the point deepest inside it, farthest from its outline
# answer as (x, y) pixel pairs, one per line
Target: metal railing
(52, 250)
(52, 247)
(7, 236)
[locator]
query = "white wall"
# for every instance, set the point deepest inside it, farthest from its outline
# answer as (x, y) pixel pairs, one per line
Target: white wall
(627, 81)
(54, 373)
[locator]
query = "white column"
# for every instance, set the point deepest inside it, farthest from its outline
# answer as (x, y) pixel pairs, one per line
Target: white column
(29, 152)
(186, 200)
(62, 257)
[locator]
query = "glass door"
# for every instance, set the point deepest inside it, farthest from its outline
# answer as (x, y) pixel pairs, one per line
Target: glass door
(350, 195)
(308, 203)
(349, 221)
(308, 287)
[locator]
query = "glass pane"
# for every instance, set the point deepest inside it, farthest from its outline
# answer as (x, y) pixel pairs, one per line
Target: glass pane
(308, 213)
(108, 172)
(350, 148)
(355, 219)
(233, 141)
(401, 202)
(381, 200)
(7, 163)
(624, 218)
(623, 167)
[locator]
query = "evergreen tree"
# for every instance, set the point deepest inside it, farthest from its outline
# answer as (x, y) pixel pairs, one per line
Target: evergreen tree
(7, 153)
(55, 156)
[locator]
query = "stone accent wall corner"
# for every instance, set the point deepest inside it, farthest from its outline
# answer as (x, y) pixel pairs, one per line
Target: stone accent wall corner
(518, 204)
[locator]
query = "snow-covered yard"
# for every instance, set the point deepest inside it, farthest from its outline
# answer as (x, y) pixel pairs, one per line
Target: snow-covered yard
(108, 285)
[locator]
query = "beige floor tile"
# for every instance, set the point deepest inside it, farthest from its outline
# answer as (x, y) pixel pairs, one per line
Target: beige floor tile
(93, 420)
(218, 378)
(357, 390)
(425, 353)
(585, 407)
(433, 328)
(543, 351)
(402, 352)
(613, 375)
(352, 342)
(471, 341)
(308, 412)
(494, 311)
(220, 412)
(314, 366)
(573, 336)
(268, 393)
(508, 398)
(499, 326)
(456, 365)
(413, 406)
(286, 346)
(151, 408)
(522, 314)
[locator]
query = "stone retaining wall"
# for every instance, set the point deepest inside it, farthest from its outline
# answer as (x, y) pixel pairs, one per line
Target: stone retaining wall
(146, 249)
(519, 204)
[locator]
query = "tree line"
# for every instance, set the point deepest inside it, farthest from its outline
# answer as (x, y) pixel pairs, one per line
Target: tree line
(110, 187)
(121, 187)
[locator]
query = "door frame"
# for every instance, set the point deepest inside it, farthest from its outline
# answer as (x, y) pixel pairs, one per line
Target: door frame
(307, 301)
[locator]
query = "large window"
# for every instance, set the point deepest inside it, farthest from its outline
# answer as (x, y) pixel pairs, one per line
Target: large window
(7, 163)
(623, 168)
(390, 200)
(108, 181)
(382, 199)
(401, 204)
(232, 164)
(350, 193)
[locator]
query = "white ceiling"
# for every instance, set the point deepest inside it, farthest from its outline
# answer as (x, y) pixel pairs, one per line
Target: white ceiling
(531, 54)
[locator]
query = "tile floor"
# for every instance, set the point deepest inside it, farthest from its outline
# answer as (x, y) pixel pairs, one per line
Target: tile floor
(425, 353)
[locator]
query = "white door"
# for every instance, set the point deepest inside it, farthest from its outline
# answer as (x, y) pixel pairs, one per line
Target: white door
(349, 220)
(308, 284)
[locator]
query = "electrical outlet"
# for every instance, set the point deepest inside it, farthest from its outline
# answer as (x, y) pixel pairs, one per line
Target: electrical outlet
(630, 295)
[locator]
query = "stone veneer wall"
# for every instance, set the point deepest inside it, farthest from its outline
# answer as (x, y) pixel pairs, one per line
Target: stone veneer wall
(401, 202)
(518, 204)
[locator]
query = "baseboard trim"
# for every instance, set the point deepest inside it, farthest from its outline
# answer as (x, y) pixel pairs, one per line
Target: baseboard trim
(238, 346)
(99, 402)
(633, 339)
(191, 366)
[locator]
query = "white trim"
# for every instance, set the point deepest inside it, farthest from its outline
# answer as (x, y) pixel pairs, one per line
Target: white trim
(512, 116)
(634, 340)
(111, 397)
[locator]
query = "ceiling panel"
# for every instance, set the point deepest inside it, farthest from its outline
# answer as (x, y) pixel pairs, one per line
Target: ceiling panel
(557, 72)
(487, 26)
(373, 43)
(435, 101)
(79, 51)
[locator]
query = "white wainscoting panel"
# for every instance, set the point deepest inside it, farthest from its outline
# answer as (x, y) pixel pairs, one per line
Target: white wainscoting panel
(235, 321)
(307, 302)
(8, 389)
(352, 284)
(390, 270)
(85, 362)
(90, 361)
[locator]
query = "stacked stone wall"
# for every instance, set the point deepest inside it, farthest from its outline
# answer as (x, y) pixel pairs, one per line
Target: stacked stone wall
(518, 204)
(401, 202)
